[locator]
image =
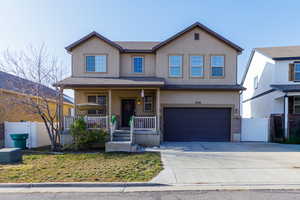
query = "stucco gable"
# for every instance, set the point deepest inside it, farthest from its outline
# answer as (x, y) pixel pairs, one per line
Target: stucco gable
(92, 35)
(203, 28)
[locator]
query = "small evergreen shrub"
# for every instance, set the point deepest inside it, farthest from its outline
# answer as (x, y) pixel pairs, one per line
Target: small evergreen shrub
(85, 139)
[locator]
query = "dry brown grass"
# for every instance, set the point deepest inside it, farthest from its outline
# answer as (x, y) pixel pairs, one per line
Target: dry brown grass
(91, 167)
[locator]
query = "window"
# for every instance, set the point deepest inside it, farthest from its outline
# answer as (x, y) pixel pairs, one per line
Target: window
(297, 71)
(175, 66)
(101, 100)
(96, 63)
(148, 104)
(217, 66)
(92, 99)
(196, 36)
(297, 104)
(255, 82)
(138, 64)
(196, 66)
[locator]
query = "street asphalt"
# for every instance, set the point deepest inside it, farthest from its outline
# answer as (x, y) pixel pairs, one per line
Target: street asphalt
(170, 195)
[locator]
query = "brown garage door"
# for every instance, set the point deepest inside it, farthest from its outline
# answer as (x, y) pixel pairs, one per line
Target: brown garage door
(197, 124)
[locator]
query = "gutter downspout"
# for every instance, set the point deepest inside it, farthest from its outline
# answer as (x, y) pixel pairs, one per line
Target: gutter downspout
(286, 116)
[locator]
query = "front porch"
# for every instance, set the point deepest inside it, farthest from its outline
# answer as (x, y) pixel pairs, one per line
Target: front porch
(286, 125)
(129, 115)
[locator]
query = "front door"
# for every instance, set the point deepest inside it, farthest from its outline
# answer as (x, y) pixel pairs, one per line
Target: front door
(128, 108)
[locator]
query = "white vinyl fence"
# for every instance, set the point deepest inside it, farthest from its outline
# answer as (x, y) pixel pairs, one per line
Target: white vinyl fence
(37, 133)
(255, 129)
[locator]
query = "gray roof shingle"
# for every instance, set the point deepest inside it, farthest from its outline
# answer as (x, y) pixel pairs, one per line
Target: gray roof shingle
(280, 52)
(17, 84)
(204, 87)
(287, 88)
(111, 82)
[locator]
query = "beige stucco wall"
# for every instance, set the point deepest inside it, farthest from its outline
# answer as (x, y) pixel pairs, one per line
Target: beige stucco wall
(202, 98)
(156, 64)
(126, 68)
(206, 46)
(169, 98)
(117, 96)
(95, 46)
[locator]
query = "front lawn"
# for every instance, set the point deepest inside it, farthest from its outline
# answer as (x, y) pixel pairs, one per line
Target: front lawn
(80, 167)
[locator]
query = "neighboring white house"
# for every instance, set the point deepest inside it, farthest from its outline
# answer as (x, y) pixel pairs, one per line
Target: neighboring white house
(272, 79)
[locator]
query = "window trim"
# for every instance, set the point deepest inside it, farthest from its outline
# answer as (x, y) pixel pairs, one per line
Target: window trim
(181, 66)
(91, 54)
(294, 106)
(296, 80)
(210, 64)
(132, 64)
(152, 103)
(190, 65)
(97, 95)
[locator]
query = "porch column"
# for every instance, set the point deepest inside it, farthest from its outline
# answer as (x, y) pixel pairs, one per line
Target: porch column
(158, 109)
(61, 109)
(286, 116)
(109, 106)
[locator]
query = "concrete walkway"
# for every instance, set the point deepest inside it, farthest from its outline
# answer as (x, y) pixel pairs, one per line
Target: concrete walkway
(229, 163)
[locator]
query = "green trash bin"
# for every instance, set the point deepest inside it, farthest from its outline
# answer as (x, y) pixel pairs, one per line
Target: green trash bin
(19, 140)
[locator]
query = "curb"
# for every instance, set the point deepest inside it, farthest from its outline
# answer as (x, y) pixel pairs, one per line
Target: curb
(78, 184)
(134, 187)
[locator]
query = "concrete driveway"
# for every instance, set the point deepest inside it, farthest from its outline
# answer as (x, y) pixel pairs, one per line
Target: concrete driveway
(229, 163)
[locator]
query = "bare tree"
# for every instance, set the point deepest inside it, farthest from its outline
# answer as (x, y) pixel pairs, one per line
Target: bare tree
(36, 97)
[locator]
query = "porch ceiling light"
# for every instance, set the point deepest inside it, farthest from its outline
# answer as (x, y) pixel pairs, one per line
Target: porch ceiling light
(139, 101)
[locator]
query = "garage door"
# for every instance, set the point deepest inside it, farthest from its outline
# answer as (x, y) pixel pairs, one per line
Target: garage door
(197, 124)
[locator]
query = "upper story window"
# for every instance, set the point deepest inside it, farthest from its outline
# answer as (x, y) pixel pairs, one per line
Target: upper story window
(196, 66)
(175, 66)
(217, 66)
(138, 64)
(297, 72)
(255, 82)
(96, 63)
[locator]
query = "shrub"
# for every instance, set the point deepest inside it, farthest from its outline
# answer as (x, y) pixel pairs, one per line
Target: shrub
(84, 138)
(293, 140)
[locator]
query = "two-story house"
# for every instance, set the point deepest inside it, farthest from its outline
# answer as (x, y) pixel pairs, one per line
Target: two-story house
(181, 89)
(272, 80)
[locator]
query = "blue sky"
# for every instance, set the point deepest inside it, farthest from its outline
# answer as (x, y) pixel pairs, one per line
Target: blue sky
(58, 23)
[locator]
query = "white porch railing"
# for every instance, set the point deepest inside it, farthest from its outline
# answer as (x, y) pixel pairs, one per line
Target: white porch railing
(144, 123)
(131, 122)
(97, 122)
(112, 126)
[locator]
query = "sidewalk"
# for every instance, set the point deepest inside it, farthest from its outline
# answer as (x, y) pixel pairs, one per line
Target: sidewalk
(134, 187)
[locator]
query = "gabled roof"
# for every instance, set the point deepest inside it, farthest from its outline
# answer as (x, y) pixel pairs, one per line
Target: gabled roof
(133, 45)
(281, 52)
(93, 34)
(17, 84)
(215, 87)
(206, 29)
(287, 88)
(72, 82)
(150, 47)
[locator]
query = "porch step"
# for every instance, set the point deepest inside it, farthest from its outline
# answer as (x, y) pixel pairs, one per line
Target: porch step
(121, 135)
(122, 131)
(122, 147)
